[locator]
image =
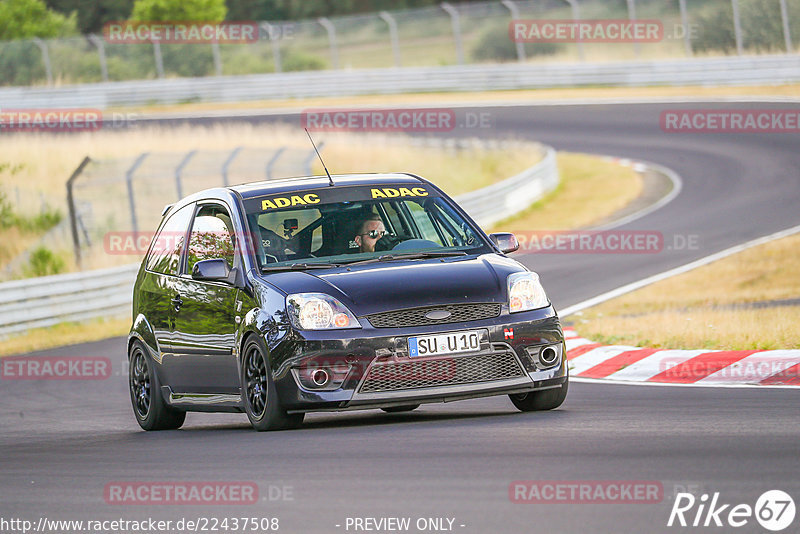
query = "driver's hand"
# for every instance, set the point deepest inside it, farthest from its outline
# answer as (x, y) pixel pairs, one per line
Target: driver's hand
(389, 241)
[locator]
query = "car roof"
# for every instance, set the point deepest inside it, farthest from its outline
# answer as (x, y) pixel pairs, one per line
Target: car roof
(269, 187)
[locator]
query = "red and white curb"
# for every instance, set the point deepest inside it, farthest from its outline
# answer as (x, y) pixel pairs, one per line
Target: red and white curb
(620, 363)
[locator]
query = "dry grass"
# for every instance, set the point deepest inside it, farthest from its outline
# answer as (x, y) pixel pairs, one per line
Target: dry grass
(64, 334)
(590, 190)
(578, 93)
(698, 328)
(13, 241)
(684, 312)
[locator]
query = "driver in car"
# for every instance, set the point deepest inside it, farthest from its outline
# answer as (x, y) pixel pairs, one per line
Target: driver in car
(370, 231)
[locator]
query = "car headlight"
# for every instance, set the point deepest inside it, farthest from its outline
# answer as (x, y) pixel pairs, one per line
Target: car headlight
(318, 311)
(525, 292)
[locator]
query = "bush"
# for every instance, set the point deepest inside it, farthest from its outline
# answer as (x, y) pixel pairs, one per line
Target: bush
(43, 262)
(23, 19)
(292, 61)
(496, 45)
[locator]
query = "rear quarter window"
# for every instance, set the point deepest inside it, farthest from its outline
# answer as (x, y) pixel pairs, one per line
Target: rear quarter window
(165, 252)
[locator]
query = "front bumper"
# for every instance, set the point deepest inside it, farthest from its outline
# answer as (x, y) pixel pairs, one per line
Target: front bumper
(380, 373)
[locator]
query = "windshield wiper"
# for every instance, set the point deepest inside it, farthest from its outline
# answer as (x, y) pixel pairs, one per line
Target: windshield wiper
(298, 267)
(411, 256)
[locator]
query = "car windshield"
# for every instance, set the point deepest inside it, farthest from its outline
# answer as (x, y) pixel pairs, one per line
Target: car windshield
(344, 225)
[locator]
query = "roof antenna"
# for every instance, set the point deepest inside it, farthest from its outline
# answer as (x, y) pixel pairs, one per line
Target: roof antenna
(330, 180)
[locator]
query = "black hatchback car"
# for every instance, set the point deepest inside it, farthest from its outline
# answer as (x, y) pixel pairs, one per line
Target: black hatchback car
(314, 294)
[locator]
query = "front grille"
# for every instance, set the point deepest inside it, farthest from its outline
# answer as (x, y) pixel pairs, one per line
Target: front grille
(415, 374)
(459, 313)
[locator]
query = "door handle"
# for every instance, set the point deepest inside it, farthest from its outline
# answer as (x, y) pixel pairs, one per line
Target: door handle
(177, 302)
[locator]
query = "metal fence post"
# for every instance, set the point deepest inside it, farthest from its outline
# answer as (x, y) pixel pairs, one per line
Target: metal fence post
(227, 164)
(326, 23)
(312, 156)
(276, 47)
(179, 172)
(737, 27)
(48, 68)
(273, 160)
(787, 35)
(392, 23)
(455, 21)
(576, 16)
(101, 51)
(73, 212)
(158, 57)
(687, 41)
(129, 183)
(217, 58)
(637, 47)
(514, 10)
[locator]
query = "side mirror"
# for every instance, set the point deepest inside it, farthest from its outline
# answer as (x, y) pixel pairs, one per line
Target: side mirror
(215, 269)
(505, 241)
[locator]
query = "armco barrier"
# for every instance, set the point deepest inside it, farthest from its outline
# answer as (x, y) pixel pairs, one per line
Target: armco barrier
(745, 70)
(48, 300)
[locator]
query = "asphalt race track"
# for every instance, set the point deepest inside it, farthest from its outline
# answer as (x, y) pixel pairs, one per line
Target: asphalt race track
(63, 441)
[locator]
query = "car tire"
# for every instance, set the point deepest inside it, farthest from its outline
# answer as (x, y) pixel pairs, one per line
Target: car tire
(149, 408)
(535, 401)
(259, 395)
(399, 409)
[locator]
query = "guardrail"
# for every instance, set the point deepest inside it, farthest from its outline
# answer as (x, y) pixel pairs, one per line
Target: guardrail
(48, 300)
(746, 70)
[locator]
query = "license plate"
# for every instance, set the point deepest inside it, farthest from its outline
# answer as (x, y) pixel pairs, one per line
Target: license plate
(440, 344)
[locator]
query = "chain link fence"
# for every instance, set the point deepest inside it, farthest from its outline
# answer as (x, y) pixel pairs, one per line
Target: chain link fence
(125, 197)
(464, 33)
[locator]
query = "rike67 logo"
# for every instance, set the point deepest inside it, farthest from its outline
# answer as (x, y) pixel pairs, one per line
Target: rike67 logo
(774, 510)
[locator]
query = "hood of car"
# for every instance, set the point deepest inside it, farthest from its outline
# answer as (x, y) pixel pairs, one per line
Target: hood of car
(394, 285)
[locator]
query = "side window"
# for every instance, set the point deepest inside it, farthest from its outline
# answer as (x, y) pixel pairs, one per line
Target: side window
(423, 220)
(211, 237)
(460, 234)
(165, 252)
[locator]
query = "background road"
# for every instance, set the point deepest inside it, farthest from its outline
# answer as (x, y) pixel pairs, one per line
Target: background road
(63, 441)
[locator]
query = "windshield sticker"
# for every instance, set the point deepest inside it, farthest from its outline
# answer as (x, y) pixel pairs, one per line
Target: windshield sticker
(285, 202)
(304, 199)
(388, 192)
